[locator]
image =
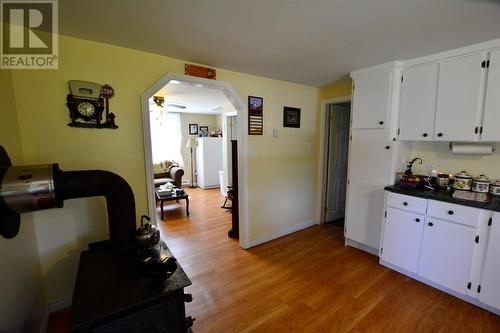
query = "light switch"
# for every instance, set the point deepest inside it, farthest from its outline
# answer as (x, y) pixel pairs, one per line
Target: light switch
(250, 149)
(276, 133)
(309, 146)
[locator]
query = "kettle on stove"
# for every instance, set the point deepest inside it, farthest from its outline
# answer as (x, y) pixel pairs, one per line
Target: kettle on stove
(147, 236)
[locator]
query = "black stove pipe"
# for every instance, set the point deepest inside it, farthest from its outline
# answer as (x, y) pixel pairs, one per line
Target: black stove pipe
(31, 188)
(119, 200)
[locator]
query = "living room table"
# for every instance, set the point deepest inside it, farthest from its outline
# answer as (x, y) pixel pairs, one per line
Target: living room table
(162, 197)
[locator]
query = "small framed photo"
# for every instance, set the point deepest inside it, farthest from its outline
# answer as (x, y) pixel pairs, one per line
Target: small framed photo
(193, 129)
(203, 131)
(291, 117)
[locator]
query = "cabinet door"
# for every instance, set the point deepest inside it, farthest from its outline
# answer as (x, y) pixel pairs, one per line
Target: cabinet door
(402, 237)
(369, 172)
(490, 285)
(461, 82)
(418, 103)
(491, 120)
(446, 256)
(372, 94)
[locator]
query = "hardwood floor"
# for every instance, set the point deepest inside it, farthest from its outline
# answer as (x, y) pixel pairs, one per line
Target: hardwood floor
(304, 282)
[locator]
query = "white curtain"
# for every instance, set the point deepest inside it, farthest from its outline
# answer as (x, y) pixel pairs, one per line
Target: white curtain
(166, 135)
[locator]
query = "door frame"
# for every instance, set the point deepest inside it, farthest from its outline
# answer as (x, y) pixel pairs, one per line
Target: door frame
(323, 153)
(242, 121)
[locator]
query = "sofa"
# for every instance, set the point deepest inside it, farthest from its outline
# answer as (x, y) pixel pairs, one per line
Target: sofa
(165, 173)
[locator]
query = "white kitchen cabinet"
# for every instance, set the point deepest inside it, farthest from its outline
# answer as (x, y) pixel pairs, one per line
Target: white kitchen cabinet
(491, 120)
(490, 285)
(418, 103)
(371, 102)
(370, 163)
(460, 96)
(402, 238)
(446, 254)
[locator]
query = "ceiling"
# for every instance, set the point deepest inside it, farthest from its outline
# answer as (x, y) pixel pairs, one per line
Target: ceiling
(314, 42)
(195, 98)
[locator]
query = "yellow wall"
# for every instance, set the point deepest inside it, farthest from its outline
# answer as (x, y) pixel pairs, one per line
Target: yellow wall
(22, 297)
(342, 87)
(282, 171)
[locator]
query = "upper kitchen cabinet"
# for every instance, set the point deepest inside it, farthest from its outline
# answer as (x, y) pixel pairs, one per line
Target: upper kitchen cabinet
(418, 103)
(371, 102)
(460, 96)
(491, 120)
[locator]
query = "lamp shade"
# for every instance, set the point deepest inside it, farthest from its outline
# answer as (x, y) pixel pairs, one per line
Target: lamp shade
(191, 142)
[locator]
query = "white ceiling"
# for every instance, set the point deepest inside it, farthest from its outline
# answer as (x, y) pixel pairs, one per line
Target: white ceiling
(307, 41)
(195, 98)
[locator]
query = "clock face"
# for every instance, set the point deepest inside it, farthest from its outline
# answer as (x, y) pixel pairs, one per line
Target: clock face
(86, 109)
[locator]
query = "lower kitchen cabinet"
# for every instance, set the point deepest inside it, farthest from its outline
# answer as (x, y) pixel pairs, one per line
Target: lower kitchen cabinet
(490, 284)
(446, 254)
(402, 238)
(452, 247)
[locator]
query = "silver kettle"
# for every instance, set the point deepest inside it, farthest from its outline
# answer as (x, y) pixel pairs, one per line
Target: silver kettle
(147, 235)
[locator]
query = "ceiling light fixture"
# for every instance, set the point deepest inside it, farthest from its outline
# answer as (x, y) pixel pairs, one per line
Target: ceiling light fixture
(159, 100)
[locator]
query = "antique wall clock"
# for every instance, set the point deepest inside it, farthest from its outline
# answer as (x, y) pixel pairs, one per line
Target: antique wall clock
(86, 103)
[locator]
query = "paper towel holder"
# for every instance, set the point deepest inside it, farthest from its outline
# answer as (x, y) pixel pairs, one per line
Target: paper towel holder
(473, 144)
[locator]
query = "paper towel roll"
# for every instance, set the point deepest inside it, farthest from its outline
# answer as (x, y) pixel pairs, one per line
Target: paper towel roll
(471, 149)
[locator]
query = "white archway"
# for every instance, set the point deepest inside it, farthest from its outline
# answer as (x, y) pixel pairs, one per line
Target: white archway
(242, 119)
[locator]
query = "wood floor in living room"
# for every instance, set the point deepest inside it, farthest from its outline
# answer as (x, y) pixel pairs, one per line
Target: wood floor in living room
(304, 282)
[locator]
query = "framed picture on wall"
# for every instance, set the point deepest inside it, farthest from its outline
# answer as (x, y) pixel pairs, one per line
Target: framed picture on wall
(193, 129)
(291, 117)
(203, 131)
(255, 115)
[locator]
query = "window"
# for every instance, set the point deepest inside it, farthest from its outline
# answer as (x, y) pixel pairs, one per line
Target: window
(166, 135)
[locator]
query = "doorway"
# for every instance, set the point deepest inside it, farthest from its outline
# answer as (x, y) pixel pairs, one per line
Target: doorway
(240, 109)
(338, 117)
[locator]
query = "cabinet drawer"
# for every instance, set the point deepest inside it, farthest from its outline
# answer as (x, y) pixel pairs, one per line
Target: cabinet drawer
(456, 213)
(417, 205)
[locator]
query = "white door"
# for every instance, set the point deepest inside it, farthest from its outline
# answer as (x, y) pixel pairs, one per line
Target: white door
(490, 285)
(372, 95)
(369, 172)
(402, 238)
(338, 148)
(418, 103)
(491, 120)
(446, 256)
(459, 102)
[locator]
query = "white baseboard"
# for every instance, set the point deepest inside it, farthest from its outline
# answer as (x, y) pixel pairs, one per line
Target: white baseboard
(362, 247)
(287, 231)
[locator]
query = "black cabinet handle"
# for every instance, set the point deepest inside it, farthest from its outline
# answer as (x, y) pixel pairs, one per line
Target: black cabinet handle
(440, 134)
(424, 135)
(450, 212)
(381, 122)
(417, 220)
(405, 203)
(430, 224)
(387, 147)
(476, 130)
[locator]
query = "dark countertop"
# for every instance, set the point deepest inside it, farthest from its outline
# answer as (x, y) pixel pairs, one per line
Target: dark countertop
(440, 195)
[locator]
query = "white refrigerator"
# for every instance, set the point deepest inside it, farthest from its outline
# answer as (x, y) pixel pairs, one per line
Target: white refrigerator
(208, 162)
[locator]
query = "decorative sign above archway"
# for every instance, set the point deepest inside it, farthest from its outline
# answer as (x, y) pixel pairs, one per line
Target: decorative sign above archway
(200, 71)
